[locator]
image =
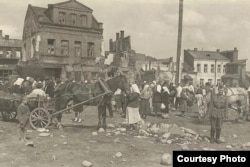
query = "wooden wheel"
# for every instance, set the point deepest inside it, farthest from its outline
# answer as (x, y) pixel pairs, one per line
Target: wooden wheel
(9, 115)
(39, 118)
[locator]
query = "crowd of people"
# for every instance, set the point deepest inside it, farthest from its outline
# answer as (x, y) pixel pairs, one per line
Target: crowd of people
(153, 98)
(158, 99)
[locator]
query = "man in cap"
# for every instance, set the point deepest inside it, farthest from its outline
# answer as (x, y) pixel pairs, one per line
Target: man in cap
(217, 110)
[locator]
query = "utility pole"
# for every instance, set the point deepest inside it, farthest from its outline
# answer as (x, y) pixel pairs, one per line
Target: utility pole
(178, 57)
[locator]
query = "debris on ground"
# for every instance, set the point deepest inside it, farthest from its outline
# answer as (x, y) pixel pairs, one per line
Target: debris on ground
(29, 143)
(86, 164)
(44, 134)
(166, 159)
(94, 133)
(118, 155)
(101, 130)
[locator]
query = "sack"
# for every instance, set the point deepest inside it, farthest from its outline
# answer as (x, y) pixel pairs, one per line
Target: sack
(163, 106)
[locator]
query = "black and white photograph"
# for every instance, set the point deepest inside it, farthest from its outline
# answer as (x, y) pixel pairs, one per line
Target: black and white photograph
(124, 83)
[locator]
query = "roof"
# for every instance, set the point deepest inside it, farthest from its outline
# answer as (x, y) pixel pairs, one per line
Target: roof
(236, 76)
(238, 62)
(168, 60)
(139, 57)
(206, 55)
(39, 12)
(71, 3)
(10, 42)
(149, 58)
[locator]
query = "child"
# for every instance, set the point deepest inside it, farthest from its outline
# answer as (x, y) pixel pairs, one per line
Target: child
(23, 112)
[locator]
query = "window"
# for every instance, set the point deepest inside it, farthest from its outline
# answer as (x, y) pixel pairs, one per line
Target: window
(205, 68)
(8, 54)
(210, 81)
(212, 68)
(198, 68)
(62, 16)
(201, 82)
(73, 19)
(1, 52)
(218, 81)
(83, 19)
(51, 46)
(4, 74)
(18, 54)
(64, 47)
(90, 50)
(77, 49)
(219, 69)
(146, 67)
(224, 69)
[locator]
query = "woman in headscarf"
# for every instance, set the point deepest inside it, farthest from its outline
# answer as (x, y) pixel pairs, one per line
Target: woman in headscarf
(165, 99)
(145, 105)
(183, 102)
(132, 114)
(156, 100)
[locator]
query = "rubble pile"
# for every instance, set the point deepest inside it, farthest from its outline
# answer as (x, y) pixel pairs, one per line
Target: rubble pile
(171, 133)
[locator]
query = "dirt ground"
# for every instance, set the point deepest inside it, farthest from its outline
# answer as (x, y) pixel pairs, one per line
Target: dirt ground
(75, 143)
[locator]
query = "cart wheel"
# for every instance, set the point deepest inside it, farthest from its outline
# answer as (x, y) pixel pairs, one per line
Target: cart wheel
(39, 118)
(9, 115)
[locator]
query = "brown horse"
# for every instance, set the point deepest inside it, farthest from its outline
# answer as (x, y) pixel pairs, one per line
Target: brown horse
(237, 100)
(83, 92)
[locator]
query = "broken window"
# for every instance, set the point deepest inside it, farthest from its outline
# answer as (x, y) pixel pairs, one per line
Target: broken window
(51, 46)
(73, 19)
(8, 54)
(212, 68)
(77, 49)
(198, 68)
(205, 68)
(219, 69)
(62, 17)
(18, 54)
(90, 50)
(64, 47)
(83, 19)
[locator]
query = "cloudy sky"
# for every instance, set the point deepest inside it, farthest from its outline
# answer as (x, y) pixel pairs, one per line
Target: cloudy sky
(153, 24)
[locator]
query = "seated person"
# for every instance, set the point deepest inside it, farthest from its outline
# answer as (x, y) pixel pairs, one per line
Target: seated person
(38, 90)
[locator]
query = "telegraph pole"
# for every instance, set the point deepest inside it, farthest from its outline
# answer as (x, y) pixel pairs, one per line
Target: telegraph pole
(178, 57)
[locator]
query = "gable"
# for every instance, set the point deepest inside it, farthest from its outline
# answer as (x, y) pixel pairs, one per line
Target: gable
(73, 4)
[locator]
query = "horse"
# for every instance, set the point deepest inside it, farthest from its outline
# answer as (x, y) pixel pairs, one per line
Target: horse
(237, 99)
(82, 92)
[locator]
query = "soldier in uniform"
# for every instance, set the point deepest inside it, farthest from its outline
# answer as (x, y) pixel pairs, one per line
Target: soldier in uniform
(217, 110)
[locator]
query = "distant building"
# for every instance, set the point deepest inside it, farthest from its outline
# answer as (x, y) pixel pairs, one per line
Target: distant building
(209, 66)
(120, 52)
(10, 54)
(65, 38)
(236, 74)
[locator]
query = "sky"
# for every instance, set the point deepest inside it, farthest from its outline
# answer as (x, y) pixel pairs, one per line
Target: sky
(153, 24)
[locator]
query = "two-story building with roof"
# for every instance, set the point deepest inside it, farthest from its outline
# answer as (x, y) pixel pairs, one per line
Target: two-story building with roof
(65, 39)
(10, 54)
(209, 66)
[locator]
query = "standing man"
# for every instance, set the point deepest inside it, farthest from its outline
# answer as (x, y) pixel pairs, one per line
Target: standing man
(23, 113)
(217, 110)
(178, 95)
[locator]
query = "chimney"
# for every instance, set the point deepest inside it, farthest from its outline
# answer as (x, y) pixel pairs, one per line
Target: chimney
(117, 43)
(101, 25)
(195, 49)
(7, 37)
(1, 33)
(117, 36)
(110, 45)
(217, 50)
(122, 34)
(235, 54)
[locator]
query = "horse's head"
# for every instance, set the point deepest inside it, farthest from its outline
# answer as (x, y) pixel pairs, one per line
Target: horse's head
(63, 94)
(120, 82)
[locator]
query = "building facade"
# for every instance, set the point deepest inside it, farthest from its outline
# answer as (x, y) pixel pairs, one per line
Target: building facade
(210, 66)
(65, 39)
(10, 54)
